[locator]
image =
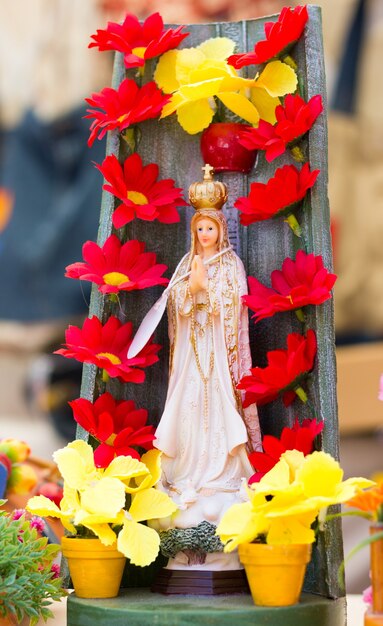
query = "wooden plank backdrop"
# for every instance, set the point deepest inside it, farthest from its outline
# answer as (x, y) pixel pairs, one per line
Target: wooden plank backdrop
(262, 247)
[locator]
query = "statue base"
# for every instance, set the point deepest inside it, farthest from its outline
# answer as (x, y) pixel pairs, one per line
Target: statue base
(200, 582)
(140, 607)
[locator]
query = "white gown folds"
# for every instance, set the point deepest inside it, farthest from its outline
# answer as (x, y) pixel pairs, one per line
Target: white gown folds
(204, 433)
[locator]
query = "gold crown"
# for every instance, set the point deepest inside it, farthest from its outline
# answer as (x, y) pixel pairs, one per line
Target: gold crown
(208, 194)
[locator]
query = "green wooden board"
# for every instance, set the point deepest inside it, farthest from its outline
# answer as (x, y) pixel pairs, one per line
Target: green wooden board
(142, 608)
(262, 247)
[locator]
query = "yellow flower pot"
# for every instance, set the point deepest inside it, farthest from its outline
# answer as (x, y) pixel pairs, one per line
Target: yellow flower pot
(96, 570)
(275, 573)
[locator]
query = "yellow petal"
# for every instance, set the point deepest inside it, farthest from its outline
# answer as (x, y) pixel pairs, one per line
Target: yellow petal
(76, 464)
(106, 497)
(265, 104)
(195, 116)
(233, 520)
(165, 72)
(291, 530)
(125, 467)
(139, 543)
(187, 61)
(203, 89)
(241, 524)
(295, 460)
(151, 504)
(278, 79)
(240, 106)
(176, 101)
(210, 70)
(70, 500)
(277, 479)
(320, 474)
(219, 48)
(104, 532)
(151, 460)
(40, 505)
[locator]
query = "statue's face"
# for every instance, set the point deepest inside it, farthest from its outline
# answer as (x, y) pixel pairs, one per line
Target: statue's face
(207, 232)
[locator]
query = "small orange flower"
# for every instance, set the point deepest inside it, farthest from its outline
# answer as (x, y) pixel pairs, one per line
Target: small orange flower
(370, 501)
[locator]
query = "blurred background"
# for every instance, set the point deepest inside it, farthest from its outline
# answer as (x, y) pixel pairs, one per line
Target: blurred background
(50, 200)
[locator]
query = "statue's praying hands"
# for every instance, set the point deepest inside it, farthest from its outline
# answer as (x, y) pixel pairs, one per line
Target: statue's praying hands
(198, 276)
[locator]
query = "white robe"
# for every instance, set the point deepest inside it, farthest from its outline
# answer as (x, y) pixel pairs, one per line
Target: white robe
(203, 443)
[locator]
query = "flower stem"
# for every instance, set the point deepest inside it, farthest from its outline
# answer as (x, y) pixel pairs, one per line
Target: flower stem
(290, 61)
(292, 221)
(300, 315)
(129, 137)
(302, 395)
(105, 376)
(297, 154)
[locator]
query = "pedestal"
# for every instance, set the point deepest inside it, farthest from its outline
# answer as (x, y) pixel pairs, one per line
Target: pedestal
(136, 607)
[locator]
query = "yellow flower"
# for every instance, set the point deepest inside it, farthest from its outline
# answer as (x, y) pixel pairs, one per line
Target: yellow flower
(287, 500)
(95, 499)
(319, 479)
(196, 76)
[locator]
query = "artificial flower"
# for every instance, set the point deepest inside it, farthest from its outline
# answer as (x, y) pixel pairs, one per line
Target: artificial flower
(196, 76)
(121, 108)
(300, 437)
(116, 267)
(300, 282)
(138, 42)
(319, 483)
(106, 346)
(369, 502)
(117, 424)
(142, 195)
(279, 195)
(294, 118)
(284, 372)
(280, 37)
(95, 499)
(286, 501)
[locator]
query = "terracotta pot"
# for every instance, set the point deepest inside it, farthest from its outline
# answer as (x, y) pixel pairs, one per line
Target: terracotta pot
(275, 573)
(221, 149)
(96, 570)
(374, 616)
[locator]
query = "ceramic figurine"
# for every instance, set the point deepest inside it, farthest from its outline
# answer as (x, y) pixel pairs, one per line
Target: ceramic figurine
(204, 432)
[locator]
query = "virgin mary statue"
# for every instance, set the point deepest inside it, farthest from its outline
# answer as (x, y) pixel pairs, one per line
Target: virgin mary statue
(204, 432)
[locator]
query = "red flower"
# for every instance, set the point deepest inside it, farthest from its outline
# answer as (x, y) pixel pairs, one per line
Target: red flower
(138, 42)
(280, 36)
(118, 424)
(279, 195)
(120, 109)
(263, 138)
(299, 283)
(142, 194)
(299, 437)
(118, 267)
(294, 118)
(284, 372)
(107, 346)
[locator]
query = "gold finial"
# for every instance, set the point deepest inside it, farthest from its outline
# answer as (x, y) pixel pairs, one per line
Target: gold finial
(208, 194)
(208, 172)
